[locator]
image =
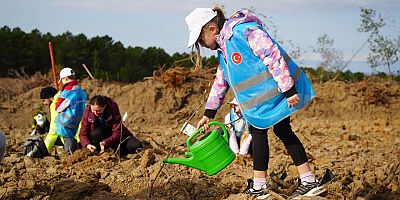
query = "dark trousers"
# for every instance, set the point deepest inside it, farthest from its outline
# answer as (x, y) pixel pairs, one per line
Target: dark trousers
(129, 146)
(284, 132)
(70, 145)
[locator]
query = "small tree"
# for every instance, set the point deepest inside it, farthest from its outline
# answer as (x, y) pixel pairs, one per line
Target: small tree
(384, 50)
(331, 58)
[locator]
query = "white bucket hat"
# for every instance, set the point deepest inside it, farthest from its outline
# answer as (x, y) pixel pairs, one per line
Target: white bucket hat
(195, 22)
(65, 72)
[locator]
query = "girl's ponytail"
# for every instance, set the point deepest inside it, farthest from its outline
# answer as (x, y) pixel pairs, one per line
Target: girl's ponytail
(220, 18)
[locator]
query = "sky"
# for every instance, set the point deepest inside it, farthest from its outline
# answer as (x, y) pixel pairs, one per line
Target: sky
(160, 23)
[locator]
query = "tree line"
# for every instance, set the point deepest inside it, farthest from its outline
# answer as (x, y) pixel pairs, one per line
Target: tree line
(106, 59)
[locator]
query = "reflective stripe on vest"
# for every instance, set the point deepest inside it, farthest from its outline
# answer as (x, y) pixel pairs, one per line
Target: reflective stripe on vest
(71, 126)
(268, 94)
(63, 114)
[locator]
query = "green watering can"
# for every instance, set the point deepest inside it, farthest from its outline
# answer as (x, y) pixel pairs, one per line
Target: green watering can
(211, 153)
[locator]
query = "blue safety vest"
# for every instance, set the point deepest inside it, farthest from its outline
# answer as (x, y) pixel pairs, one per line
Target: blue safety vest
(67, 121)
(261, 102)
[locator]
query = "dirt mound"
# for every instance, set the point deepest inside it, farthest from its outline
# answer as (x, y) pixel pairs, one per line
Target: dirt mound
(370, 99)
(351, 128)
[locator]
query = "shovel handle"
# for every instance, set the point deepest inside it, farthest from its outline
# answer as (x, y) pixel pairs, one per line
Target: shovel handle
(222, 126)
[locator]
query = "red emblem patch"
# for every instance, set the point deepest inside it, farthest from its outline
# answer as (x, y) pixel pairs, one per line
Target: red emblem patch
(236, 58)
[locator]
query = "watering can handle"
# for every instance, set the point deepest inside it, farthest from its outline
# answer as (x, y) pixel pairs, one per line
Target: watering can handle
(222, 126)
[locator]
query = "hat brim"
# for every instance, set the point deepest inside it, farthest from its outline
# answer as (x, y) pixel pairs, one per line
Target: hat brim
(193, 37)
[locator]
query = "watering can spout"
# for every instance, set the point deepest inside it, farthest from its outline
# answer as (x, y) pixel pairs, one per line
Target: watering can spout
(190, 162)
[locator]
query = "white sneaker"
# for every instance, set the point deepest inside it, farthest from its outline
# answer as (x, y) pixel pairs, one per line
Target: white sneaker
(259, 194)
(307, 189)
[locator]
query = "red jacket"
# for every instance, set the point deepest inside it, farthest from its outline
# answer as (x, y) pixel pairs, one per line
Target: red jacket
(113, 119)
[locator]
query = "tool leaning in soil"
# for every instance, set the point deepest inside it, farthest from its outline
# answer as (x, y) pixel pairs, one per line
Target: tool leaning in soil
(118, 150)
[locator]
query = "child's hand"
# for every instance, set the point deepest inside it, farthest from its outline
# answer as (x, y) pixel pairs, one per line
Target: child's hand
(293, 100)
(204, 121)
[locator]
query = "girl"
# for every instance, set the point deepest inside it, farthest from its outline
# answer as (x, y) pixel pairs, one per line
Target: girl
(239, 138)
(268, 85)
(70, 106)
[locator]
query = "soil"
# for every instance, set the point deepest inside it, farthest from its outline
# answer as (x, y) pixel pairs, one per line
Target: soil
(353, 129)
